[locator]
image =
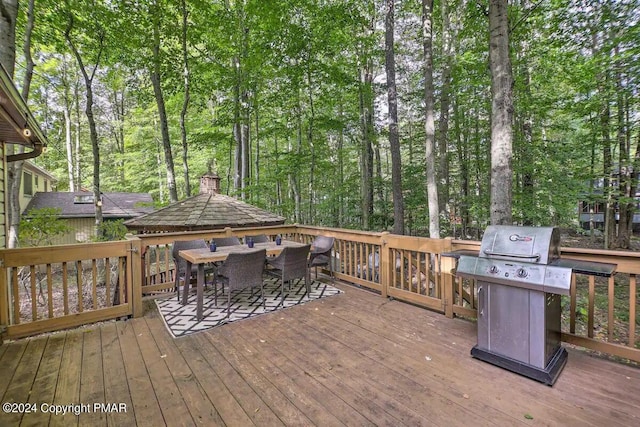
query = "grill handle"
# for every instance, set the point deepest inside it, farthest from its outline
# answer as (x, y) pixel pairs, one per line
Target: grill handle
(501, 254)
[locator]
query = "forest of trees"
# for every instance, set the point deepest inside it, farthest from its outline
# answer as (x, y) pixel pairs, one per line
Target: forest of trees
(288, 102)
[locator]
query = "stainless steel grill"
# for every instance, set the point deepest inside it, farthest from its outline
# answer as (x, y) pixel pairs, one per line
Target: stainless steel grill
(520, 280)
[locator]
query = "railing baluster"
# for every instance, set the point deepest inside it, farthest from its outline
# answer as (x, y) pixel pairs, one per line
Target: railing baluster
(147, 266)
(122, 279)
(610, 319)
(80, 284)
(94, 283)
(167, 269)
(34, 297)
(50, 290)
(16, 296)
(65, 288)
(591, 313)
(632, 310)
(107, 281)
(360, 260)
(573, 304)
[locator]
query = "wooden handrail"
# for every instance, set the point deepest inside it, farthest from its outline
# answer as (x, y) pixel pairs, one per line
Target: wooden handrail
(407, 268)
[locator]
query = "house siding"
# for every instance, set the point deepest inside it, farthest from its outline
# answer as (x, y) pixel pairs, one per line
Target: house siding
(41, 181)
(3, 216)
(82, 230)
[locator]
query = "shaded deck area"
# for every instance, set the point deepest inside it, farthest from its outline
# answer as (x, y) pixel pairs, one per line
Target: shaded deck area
(351, 359)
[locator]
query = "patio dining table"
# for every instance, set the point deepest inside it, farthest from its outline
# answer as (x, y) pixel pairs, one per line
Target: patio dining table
(202, 256)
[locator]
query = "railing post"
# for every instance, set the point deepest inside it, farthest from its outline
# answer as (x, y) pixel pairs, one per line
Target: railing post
(447, 264)
(135, 255)
(385, 264)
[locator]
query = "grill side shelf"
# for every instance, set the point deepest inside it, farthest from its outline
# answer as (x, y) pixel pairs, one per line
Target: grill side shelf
(590, 268)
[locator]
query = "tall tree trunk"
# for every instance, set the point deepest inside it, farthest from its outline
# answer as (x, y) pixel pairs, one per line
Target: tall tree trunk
(462, 147)
(445, 101)
(501, 114)
(241, 114)
(14, 172)
(156, 81)
(93, 132)
(276, 155)
(256, 138)
(380, 193)
(8, 16)
(604, 123)
(68, 124)
(118, 106)
(429, 123)
(365, 89)
(26, 50)
(339, 218)
(294, 178)
(626, 190)
(246, 151)
(310, 129)
(366, 111)
(78, 146)
(69, 146)
(241, 133)
(394, 137)
(185, 103)
(607, 163)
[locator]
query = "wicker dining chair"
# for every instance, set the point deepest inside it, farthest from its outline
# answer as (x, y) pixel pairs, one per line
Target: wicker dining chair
(241, 270)
(259, 238)
(321, 254)
(289, 265)
(226, 241)
(181, 264)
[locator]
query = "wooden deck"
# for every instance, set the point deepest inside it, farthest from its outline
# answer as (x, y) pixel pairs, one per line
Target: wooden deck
(352, 359)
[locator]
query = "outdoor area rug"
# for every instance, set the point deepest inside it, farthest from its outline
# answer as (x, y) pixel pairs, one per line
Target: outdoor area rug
(181, 319)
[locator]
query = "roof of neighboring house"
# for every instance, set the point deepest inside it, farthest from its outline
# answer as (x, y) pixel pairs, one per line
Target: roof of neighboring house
(17, 125)
(80, 204)
(204, 212)
(28, 165)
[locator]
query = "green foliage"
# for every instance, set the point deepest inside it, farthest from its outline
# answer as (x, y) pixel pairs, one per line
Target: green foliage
(41, 227)
(111, 230)
(293, 72)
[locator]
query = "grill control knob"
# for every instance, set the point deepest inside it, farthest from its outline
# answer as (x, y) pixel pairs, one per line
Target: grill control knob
(521, 272)
(494, 269)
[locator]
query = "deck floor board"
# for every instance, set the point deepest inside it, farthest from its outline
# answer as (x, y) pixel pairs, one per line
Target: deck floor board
(200, 407)
(44, 386)
(116, 387)
(144, 402)
(352, 359)
(172, 404)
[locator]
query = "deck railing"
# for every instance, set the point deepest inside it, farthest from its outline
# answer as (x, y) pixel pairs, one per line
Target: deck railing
(58, 287)
(37, 285)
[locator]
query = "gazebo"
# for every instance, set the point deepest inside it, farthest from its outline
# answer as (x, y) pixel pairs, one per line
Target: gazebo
(209, 210)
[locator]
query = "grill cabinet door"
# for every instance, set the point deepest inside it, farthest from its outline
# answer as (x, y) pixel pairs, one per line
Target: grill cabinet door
(503, 322)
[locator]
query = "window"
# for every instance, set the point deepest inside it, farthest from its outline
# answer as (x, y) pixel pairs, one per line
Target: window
(28, 184)
(37, 184)
(83, 199)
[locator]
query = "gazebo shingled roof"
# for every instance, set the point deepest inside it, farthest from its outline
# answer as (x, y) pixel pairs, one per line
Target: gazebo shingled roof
(206, 211)
(115, 205)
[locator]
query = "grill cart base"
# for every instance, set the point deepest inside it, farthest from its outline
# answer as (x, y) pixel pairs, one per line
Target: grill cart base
(548, 375)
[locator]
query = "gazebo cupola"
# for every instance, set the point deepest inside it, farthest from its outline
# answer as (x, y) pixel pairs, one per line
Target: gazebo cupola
(210, 183)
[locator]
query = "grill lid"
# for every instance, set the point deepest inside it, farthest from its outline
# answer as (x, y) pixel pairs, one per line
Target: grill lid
(540, 245)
